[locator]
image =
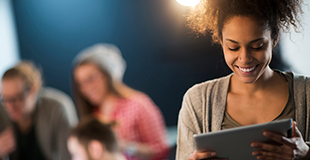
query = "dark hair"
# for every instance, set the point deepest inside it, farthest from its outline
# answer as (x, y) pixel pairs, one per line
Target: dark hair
(91, 128)
(211, 15)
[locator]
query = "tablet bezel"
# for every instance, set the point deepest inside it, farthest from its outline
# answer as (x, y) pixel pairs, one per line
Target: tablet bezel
(235, 143)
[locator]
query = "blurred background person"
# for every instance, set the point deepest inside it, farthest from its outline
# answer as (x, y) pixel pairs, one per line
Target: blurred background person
(64, 99)
(93, 140)
(99, 90)
(32, 127)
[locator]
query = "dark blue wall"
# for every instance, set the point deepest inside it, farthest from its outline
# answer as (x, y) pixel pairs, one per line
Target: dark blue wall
(163, 59)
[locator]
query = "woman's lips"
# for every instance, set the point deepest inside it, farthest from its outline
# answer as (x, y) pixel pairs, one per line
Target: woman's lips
(247, 70)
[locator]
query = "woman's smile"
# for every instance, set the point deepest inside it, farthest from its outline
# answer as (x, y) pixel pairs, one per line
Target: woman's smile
(247, 70)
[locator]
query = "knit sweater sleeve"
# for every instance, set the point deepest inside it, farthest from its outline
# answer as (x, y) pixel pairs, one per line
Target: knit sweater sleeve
(302, 103)
(189, 123)
(202, 111)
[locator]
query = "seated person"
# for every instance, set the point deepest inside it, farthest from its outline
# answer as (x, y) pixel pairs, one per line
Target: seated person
(64, 99)
(99, 91)
(31, 127)
(93, 140)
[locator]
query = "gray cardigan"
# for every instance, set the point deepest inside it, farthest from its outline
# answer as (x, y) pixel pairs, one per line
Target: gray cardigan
(204, 105)
(51, 125)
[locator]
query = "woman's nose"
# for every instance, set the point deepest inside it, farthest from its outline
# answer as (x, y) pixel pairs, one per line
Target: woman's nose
(245, 56)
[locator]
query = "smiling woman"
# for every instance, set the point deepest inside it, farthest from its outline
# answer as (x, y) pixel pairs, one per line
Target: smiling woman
(249, 55)
(254, 93)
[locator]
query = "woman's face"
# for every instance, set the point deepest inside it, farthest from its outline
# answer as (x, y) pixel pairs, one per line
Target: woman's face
(91, 82)
(247, 47)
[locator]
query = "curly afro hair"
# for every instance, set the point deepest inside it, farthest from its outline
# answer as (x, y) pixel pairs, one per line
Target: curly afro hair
(211, 15)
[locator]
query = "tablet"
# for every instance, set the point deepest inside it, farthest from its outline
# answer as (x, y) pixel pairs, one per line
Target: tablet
(234, 143)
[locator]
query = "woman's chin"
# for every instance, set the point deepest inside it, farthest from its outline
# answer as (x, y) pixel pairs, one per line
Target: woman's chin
(92, 99)
(247, 80)
(95, 102)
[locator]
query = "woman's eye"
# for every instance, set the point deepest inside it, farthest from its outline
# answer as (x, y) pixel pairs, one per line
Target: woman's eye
(258, 48)
(233, 49)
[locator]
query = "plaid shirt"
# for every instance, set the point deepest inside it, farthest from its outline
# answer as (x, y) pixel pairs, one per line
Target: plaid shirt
(140, 120)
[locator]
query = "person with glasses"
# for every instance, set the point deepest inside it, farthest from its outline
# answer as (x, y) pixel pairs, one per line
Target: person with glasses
(31, 127)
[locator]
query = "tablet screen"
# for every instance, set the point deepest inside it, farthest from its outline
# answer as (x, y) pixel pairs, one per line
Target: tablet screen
(234, 143)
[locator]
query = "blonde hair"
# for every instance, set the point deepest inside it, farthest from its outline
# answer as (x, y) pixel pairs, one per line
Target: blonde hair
(28, 72)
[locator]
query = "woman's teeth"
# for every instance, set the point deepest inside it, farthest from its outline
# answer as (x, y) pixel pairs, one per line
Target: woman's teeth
(247, 69)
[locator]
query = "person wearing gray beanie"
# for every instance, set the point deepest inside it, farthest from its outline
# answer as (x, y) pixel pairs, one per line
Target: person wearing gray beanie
(99, 90)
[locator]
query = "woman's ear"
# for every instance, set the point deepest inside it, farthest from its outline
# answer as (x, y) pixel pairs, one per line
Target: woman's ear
(275, 42)
(276, 39)
(95, 149)
(220, 40)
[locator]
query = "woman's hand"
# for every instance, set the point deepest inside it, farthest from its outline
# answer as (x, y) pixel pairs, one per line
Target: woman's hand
(292, 148)
(203, 155)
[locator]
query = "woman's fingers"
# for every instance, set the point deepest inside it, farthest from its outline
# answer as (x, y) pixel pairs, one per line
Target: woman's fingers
(280, 139)
(203, 155)
(272, 148)
(296, 132)
(270, 155)
(288, 148)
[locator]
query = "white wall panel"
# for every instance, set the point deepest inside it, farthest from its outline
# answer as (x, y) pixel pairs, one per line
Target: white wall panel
(295, 47)
(8, 39)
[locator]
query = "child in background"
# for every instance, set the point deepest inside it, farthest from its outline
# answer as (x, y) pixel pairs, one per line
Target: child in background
(93, 140)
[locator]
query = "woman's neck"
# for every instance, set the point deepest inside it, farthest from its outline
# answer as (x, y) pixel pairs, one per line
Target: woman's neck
(108, 100)
(267, 79)
(107, 106)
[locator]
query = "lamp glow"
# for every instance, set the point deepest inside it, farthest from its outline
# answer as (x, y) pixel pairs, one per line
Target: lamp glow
(188, 2)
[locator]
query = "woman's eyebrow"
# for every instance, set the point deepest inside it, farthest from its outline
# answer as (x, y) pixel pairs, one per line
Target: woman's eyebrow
(231, 41)
(258, 39)
(255, 40)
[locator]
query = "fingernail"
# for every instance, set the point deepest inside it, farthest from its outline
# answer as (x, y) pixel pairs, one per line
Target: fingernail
(213, 154)
(254, 153)
(254, 145)
(266, 133)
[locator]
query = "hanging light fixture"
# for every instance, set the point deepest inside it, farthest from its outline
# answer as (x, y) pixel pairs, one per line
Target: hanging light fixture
(188, 2)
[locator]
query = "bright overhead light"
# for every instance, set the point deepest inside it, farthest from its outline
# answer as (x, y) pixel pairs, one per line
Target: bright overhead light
(188, 2)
